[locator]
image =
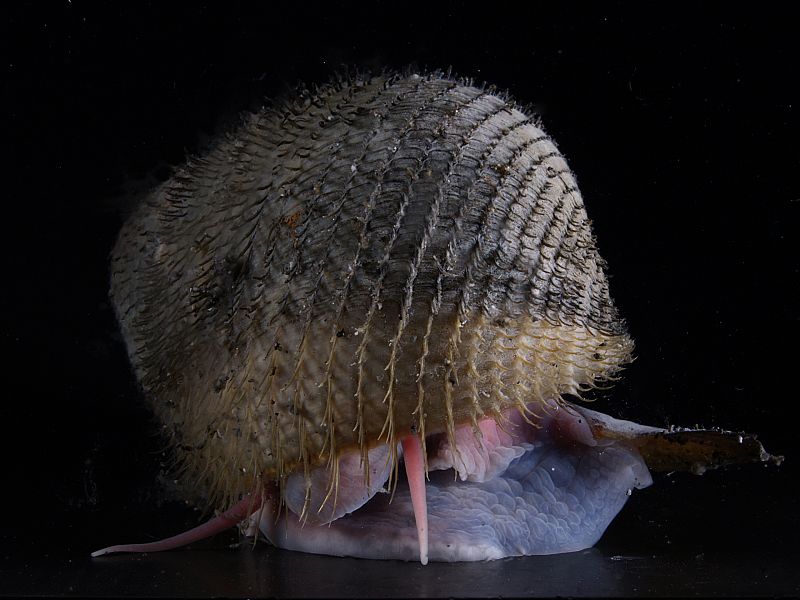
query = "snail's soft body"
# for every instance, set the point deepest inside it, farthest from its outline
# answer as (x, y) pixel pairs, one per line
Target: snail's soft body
(383, 260)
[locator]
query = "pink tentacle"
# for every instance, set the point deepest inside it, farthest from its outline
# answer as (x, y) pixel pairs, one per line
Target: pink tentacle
(415, 472)
(234, 515)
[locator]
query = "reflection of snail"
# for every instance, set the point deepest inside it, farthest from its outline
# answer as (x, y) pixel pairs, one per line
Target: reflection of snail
(386, 267)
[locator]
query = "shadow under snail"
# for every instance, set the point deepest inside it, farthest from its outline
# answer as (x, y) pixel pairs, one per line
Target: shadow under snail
(385, 271)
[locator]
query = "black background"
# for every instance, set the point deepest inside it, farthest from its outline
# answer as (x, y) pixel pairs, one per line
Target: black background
(681, 123)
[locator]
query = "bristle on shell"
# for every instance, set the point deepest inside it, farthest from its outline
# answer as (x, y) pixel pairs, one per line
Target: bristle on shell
(377, 257)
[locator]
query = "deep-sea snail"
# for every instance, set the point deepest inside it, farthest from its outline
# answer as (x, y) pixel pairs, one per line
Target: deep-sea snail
(386, 270)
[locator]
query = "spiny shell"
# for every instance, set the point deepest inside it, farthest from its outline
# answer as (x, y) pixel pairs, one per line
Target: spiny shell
(394, 254)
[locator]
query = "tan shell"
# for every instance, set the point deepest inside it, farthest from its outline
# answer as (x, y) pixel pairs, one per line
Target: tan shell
(396, 254)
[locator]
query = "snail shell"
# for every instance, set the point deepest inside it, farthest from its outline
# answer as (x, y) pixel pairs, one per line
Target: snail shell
(376, 257)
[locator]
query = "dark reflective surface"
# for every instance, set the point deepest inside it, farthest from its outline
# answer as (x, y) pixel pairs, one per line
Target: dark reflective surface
(686, 536)
(682, 129)
(265, 571)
